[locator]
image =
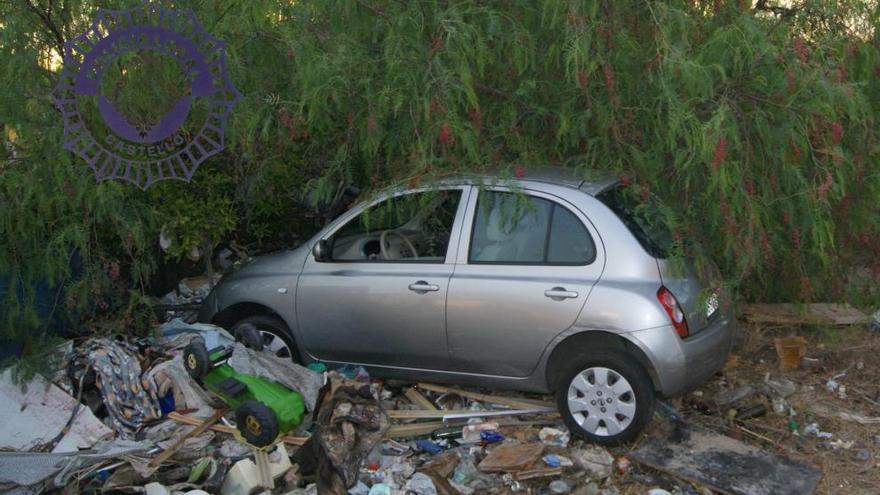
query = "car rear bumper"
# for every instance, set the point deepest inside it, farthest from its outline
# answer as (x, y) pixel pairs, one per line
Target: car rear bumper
(678, 364)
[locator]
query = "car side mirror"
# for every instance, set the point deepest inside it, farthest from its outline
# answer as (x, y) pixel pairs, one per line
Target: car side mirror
(321, 251)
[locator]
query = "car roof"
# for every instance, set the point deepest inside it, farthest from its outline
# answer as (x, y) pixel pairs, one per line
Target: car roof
(591, 182)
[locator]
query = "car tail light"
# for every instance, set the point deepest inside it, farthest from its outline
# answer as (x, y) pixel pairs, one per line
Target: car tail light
(673, 309)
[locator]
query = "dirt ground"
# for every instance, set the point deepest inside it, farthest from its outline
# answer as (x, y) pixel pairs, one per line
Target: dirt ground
(853, 350)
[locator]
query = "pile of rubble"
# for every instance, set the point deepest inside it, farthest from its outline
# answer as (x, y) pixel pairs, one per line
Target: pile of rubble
(125, 415)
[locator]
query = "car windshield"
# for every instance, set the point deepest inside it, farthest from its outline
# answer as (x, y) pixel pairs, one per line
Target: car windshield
(645, 219)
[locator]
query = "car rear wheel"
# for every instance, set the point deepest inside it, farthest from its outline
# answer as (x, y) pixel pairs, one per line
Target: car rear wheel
(605, 397)
(274, 336)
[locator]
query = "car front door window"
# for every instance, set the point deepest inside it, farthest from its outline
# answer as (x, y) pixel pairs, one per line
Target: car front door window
(409, 227)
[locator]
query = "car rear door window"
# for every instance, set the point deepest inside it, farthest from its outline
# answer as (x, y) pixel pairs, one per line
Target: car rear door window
(513, 228)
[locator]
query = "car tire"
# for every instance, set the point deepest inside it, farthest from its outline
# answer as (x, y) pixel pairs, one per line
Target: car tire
(276, 336)
(605, 397)
(196, 359)
(257, 423)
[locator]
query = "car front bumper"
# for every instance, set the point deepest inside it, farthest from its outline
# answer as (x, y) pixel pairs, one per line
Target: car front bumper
(678, 364)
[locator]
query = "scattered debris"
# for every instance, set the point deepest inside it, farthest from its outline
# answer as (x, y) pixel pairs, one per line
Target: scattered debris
(554, 436)
(727, 397)
(780, 388)
(812, 429)
(724, 464)
(875, 322)
(371, 436)
(595, 460)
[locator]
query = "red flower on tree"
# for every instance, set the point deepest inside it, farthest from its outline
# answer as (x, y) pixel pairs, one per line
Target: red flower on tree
(445, 136)
(836, 132)
(720, 153)
(476, 118)
(583, 79)
(609, 79)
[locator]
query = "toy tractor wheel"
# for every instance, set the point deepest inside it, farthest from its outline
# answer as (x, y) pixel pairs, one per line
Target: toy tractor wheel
(257, 423)
(196, 360)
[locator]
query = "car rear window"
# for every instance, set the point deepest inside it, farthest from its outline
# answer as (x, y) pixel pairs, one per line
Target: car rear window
(645, 219)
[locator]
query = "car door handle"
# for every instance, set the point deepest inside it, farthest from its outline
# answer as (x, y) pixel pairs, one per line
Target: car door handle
(422, 286)
(560, 293)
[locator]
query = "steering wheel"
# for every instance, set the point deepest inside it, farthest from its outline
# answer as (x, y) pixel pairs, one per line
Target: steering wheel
(406, 241)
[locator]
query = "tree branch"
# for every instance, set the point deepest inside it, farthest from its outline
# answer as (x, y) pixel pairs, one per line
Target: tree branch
(46, 19)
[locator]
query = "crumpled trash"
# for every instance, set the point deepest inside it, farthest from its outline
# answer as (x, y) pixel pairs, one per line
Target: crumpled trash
(421, 484)
(780, 388)
(349, 424)
(356, 373)
(726, 397)
(36, 470)
(429, 446)
(488, 437)
(178, 333)
(875, 322)
(554, 436)
(812, 429)
(360, 488)
(556, 461)
(380, 489)
(130, 396)
(171, 376)
(466, 470)
(561, 486)
(595, 460)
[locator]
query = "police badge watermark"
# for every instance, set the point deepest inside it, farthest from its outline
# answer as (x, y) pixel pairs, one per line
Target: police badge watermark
(162, 128)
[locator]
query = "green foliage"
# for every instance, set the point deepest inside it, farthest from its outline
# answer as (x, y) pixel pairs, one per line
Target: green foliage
(755, 124)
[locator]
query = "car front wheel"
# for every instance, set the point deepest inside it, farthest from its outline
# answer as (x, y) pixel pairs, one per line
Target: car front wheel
(605, 397)
(268, 334)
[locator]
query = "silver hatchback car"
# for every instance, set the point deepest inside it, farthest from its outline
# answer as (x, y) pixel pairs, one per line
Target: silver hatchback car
(545, 283)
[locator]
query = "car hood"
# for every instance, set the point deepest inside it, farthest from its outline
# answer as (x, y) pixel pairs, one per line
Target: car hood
(288, 262)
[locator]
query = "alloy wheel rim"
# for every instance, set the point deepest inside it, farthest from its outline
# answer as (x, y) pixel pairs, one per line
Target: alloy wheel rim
(601, 401)
(276, 345)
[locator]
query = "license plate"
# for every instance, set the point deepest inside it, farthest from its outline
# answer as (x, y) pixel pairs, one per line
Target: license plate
(712, 304)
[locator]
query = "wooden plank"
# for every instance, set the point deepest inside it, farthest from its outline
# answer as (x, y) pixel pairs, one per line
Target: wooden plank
(491, 399)
(539, 472)
(792, 314)
(198, 430)
(414, 429)
(180, 418)
(420, 400)
(512, 457)
(725, 465)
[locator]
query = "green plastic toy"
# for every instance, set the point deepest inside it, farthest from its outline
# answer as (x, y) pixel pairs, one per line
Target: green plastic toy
(263, 409)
